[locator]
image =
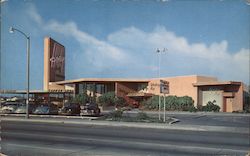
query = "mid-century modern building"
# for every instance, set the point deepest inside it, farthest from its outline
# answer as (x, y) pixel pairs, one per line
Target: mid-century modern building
(229, 95)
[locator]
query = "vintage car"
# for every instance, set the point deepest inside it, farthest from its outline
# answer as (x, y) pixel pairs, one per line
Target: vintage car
(46, 109)
(70, 109)
(90, 109)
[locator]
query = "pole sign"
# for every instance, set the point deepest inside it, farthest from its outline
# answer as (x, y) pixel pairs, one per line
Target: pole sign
(57, 61)
(164, 87)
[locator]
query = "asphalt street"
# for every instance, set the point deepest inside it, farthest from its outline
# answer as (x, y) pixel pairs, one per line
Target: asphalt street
(205, 118)
(38, 139)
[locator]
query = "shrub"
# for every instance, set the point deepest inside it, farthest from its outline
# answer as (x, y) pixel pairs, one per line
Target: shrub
(142, 116)
(184, 103)
(110, 99)
(151, 103)
(192, 109)
(80, 99)
(116, 114)
(120, 102)
(211, 107)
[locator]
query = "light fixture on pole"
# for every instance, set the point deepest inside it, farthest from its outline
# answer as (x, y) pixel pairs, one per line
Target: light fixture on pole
(12, 30)
(159, 75)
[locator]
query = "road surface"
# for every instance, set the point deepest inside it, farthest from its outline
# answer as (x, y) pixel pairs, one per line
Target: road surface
(39, 139)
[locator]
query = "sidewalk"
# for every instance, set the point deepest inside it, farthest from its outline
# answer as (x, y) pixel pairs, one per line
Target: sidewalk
(132, 124)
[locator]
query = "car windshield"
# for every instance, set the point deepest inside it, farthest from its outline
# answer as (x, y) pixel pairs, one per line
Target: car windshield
(21, 107)
(70, 105)
(42, 109)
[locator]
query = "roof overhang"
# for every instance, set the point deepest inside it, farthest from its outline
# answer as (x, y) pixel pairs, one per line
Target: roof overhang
(101, 80)
(199, 84)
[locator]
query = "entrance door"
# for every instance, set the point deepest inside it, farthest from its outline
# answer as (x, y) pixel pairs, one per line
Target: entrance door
(229, 104)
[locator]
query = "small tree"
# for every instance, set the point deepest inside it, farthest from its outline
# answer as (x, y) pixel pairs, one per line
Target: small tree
(110, 99)
(211, 107)
(80, 99)
(120, 102)
(151, 103)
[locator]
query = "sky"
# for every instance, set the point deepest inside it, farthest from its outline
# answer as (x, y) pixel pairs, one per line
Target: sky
(119, 38)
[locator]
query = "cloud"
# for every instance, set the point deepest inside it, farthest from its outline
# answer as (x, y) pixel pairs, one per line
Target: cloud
(213, 59)
(132, 50)
(98, 53)
(2, 1)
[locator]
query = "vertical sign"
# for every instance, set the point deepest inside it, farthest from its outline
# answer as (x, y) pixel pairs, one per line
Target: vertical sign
(164, 87)
(54, 62)
(57, 61)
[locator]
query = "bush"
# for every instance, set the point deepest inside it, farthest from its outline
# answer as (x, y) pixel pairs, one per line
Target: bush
(80, 99)
(184, 103)
(192, 109)
(120, 102)
(152, 103)
(142, 116)
(211, 107)
(110, 99)
(116, 114)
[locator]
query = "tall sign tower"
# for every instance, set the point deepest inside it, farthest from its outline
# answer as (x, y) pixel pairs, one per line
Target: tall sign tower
(54, 62)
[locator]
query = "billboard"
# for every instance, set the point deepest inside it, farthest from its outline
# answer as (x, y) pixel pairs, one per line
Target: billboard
(56, 61)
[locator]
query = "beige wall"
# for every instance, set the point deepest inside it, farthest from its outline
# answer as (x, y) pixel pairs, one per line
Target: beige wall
(238, 99)
(180, 86)
(46, 64)
(53, 86)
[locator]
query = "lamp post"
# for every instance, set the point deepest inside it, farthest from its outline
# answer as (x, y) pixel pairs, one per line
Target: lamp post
(159, 75)
(12, 30)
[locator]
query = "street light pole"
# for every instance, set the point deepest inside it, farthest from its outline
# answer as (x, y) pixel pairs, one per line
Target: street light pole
(159, 75)
(12, 29)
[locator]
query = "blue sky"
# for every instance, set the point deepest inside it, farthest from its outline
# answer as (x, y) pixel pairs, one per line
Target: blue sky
(118, 38)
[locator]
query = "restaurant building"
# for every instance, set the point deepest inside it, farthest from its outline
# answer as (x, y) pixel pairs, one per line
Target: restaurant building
(229, 95)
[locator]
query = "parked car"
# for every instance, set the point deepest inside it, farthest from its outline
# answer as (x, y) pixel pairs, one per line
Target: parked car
(91, 109)
(46, 109)
(15, 99)
(10, 107)
(70, 109)
(22, 109)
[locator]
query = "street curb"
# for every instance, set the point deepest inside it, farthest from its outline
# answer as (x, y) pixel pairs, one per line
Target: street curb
(141, 125)
(50, 116)
(192, 113)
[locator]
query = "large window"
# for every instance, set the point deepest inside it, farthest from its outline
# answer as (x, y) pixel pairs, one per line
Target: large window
(142, 87)
(101, 89)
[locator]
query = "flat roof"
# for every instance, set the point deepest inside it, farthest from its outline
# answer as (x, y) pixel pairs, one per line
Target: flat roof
(216, 83)
(101, 80)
